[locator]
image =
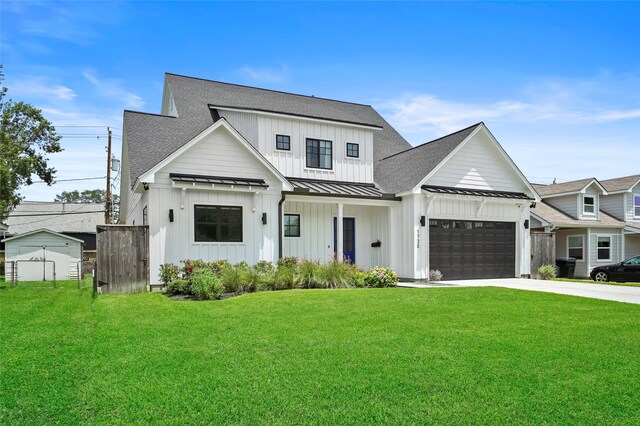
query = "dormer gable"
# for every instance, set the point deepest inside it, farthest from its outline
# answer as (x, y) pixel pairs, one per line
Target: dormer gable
(623, 198)
(579, 199)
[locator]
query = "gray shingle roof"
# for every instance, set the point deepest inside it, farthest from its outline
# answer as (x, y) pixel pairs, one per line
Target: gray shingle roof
(151, 138)
(58, 217)
(404, 170)
(561, 219)
(620, 184)
(561, 188)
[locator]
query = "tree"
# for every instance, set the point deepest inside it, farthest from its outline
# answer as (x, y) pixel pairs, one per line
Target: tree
(26, 137)
(93, 196)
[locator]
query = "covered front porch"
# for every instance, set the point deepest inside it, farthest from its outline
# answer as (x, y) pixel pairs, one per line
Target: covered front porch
(317, 212)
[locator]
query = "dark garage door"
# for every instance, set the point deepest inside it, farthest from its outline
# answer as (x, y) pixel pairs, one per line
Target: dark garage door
(463, 249)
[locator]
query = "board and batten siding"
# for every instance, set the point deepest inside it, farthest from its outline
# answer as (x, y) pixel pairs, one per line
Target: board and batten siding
(261, 131)
(218, 154)
(316, 232)
(478, 165)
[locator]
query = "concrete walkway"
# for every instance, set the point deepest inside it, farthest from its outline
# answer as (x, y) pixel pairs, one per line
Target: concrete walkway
(594, 291)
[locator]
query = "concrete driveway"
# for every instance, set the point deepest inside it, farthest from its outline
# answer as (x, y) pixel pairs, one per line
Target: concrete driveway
(594, 291)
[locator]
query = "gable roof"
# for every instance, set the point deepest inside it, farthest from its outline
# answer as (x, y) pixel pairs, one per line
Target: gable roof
(403, 171)
(566, 188)
(151, 138)
(556, 217)
(621, 184)
(36, 231)
(58, 217)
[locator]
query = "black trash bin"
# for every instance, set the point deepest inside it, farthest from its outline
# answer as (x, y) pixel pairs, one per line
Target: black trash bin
(566, 266)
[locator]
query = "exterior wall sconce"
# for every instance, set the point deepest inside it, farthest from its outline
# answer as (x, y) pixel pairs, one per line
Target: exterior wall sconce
(423, 220)
(526, 224)
(170, 215)
(264, 218)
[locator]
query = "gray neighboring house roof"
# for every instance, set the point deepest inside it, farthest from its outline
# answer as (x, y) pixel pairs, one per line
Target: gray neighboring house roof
(621, 184)
(151, 138)
(562, 220)
(404, 170)
(57, 217)
(564, 187)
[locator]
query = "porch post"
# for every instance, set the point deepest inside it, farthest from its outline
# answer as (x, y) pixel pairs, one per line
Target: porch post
(340, 232)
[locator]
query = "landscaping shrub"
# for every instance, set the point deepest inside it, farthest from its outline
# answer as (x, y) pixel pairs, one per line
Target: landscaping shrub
(547, 272)
(435, 275)
(253, 278)
(205, 284)
(381, 277)
(232, 277)
(264, 267)
(336, 274)
(179, 286)
(360, 279)
(169, 272)
(309, 274)
(190, 265)
(284, 278)
(290, 262)
(217, 266)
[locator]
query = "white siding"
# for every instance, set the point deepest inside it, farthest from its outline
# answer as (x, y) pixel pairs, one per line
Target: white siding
(64, 252)
(218, 154)
(316, 232)
(568, 204)
(478, 165)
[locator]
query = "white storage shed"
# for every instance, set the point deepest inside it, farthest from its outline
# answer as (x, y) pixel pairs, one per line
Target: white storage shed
(42, 255)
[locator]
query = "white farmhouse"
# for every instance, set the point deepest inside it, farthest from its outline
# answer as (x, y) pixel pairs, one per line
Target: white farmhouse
(241, 173)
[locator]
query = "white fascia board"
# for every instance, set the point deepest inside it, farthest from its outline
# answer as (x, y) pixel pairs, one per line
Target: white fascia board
(340, 200)
(296, 117)
(149, 176)
(15, 237)
(504, 154)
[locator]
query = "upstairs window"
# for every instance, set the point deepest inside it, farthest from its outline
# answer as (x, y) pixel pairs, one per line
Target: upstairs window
(353, 150)
(636, 205)
(319, 154)
(604, 248)
(589, 205)
(283, 142)
(218, 224)
(575, 246)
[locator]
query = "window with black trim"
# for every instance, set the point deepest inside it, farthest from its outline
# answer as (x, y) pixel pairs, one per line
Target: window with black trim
(145, 216)
(291, 225)
(319, 154)
(353, 150)
(217, 223)
(283, 142)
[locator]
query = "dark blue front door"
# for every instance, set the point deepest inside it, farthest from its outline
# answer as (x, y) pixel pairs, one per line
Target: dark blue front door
(348, 237)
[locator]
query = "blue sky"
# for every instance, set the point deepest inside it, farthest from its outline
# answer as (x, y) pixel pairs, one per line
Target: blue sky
(558, 84)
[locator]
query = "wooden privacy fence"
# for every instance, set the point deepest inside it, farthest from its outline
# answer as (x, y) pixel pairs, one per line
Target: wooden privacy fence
(122, 253)
(543, 251)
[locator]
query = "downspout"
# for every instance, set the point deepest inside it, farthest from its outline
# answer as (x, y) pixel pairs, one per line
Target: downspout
(280, 225)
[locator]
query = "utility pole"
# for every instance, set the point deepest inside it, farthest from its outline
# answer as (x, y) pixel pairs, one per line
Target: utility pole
(107, 210)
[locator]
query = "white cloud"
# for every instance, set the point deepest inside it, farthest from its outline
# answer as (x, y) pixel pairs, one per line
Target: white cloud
(581, 102)
(42, 88)
(113, 89)
(277, 74)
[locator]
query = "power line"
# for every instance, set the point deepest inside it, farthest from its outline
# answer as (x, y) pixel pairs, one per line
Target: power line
(72, 180)
(56, 214)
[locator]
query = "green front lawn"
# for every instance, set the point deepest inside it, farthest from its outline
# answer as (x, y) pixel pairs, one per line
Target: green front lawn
(439, 355)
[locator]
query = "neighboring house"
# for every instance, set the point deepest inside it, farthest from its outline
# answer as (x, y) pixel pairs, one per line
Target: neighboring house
(247, 174)
(76, 220)
(580, 214)
(623, 202)
(42, 255)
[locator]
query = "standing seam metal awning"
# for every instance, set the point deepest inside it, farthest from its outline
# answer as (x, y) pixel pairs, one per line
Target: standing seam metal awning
(225, 180)
(475, 192)
(331, 188)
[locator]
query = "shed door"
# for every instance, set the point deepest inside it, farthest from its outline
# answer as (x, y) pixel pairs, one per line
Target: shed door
(463, 249)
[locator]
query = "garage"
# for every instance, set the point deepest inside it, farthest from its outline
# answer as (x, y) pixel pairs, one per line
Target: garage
(464, 249)
(42, 255)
